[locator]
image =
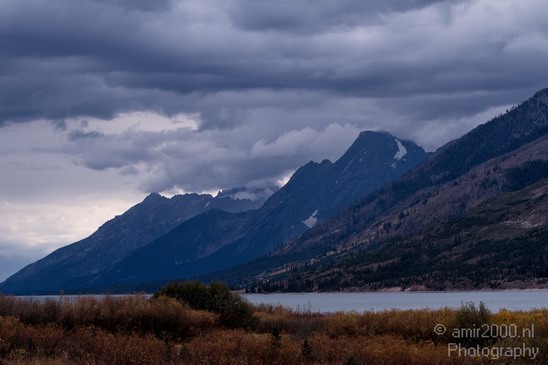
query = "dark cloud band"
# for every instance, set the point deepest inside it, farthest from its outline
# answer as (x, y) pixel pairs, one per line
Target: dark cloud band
(257, 72)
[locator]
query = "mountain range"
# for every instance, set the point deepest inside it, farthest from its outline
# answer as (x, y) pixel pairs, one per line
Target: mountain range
(392, 229)
(217, 239)
(386, 214)
(118, 238)
(313, 193)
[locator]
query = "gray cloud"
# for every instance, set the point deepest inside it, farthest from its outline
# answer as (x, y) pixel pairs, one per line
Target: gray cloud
(257, 73)
(79, 134)
(143, 5)
(207, 160)
(315, 15)
(99, 58)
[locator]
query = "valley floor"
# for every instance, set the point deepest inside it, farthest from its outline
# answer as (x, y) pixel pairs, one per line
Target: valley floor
(140, 330)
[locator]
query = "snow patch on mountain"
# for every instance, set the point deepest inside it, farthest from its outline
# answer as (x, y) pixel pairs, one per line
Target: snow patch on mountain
(312, 220)
(402, 151)
(347, 166)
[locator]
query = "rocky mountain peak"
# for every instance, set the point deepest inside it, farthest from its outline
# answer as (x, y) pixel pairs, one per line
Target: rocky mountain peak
(378, 143)
(153, 197)
(542, 95)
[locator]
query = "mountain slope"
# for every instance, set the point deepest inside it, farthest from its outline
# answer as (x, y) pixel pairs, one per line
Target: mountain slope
(501, 243)
(455, 179)
(503, 134)
(314, 193)
(116, 239)
(197, 237)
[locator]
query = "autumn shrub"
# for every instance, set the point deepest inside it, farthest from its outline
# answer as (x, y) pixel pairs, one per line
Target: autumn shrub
(137, 330)
(90, 345)
(30, 310)
(410, 324)
(378, 350)
(233, 310)
(523, 328)
(107, 348)
(161, 316)
(38, 361)
(240, 347)
(299, 324)
(468, 317)
(524, 319)
(415, 325)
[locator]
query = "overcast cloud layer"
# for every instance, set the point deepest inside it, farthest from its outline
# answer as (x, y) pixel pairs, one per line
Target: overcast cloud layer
(106, 100)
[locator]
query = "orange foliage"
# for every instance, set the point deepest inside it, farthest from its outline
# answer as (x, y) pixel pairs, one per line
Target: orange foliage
(137, 330)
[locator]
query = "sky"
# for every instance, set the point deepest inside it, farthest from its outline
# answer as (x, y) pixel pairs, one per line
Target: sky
(105, 101)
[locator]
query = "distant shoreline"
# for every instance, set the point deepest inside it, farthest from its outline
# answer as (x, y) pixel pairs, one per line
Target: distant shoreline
(405, 291)
(383, 291)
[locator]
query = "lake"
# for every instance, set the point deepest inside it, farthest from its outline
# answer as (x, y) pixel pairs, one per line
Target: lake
(378, 301)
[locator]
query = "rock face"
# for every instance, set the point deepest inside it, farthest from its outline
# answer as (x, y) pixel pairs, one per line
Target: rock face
(318, 190)
(116, 239)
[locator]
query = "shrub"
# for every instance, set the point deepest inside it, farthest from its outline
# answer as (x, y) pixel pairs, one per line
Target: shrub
(233, 310)
(307, 352)
(165, 317)
(299, 324)
(470, 317)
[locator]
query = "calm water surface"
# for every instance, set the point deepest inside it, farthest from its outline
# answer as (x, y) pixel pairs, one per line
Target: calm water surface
(359, 302)
(332, 302)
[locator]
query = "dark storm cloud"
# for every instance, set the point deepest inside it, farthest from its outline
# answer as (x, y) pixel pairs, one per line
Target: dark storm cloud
(99, 152)
(76, 135)
(144, 5)
(210, 160)
(314, 15)
(96, 58)
(261, 76)
(452, 106)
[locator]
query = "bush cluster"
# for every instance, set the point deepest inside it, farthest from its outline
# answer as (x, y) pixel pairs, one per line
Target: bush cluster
(163, 317)
(233, 310)
(162, 330)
